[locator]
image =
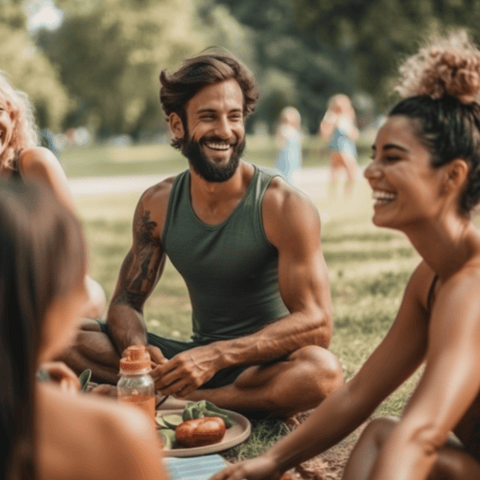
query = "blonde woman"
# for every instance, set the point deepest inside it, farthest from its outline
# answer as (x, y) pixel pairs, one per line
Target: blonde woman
(338, 127)
(22, 159)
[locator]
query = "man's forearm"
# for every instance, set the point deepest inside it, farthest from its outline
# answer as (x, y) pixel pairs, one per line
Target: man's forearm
(126, 326)
(275, 341)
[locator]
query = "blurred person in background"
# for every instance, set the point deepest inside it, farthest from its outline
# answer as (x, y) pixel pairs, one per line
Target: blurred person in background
(22, 159)
(338, 127)
(51, 431)
(425, 178)
(289, 139)
(247, 245)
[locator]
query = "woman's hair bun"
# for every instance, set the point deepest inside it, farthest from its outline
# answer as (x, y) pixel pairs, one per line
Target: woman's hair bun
(445, 66)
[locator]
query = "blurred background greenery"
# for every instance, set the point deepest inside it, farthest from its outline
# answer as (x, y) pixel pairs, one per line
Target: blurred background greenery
(94, 64)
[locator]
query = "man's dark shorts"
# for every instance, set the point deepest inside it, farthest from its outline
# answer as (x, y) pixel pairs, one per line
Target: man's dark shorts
(170, 348)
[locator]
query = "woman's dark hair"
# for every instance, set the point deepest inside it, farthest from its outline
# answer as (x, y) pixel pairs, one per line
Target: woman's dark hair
(440, 86)
(450, 129)
(42, 256)
(211, 66)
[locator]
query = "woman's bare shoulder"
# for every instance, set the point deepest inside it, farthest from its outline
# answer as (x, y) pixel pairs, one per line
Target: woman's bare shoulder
(420, 283)
(37, 157)
(94, 437)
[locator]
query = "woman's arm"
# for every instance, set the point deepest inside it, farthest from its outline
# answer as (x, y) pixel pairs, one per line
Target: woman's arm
(449, 385)
(327, 125)
(392, 362)
(354, 132)
(40, 164)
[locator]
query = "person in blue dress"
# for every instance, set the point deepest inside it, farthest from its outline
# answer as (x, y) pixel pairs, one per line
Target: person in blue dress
(338, 127)
(289, 139)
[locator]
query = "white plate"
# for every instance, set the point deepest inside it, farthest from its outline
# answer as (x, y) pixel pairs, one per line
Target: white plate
(234, 435)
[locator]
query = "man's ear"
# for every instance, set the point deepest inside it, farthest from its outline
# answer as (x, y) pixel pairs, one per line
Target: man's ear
(176, 125)
(456, 174)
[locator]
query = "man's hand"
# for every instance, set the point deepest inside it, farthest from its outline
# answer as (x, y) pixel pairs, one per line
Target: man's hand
(186, 371)
(63, 376)
(158, 360)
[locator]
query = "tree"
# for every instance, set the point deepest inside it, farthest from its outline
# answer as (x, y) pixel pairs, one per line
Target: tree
(381, 33)
(110, 55)
(27, 69)
(291, 66)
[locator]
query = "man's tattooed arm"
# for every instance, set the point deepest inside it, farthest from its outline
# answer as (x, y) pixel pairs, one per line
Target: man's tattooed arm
(138, 276)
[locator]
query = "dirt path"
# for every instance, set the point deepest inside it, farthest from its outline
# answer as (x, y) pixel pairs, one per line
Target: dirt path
(312, 181)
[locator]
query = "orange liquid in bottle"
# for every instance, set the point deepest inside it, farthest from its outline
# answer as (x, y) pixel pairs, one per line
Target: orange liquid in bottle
(145, 403)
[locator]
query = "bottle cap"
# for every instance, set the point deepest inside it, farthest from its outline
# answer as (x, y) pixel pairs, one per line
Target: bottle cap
(136, 359)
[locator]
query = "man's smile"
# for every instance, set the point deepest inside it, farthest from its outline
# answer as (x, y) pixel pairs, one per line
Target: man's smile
(217, 146)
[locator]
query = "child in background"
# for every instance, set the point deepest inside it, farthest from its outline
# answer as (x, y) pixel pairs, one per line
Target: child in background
(289, 139)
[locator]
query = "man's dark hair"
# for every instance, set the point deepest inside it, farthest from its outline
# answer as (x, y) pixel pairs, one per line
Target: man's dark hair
(211, 66)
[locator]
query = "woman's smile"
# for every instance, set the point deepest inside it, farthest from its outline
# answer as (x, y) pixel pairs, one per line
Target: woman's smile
(383, 197)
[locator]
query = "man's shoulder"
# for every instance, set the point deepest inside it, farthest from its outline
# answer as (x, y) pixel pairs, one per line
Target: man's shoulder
(281, 195)
(153, 205)
(158, 193)
(287, 212)
(157, 196)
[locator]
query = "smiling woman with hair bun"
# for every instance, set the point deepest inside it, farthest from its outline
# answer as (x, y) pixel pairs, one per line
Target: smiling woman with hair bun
(425, 177)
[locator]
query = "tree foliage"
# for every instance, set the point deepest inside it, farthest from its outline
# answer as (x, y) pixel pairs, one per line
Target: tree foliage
(110, 54)
(381, 33)
(27, 69)
(292, 67)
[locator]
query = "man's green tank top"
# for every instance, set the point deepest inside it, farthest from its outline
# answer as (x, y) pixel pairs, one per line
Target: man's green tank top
(231, 269)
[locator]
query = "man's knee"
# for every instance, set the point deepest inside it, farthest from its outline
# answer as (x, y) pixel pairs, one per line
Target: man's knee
(322, 366)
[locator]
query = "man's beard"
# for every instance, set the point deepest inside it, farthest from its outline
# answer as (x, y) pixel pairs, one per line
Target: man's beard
(207, 169)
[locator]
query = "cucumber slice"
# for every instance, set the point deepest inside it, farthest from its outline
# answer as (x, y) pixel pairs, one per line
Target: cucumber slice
(172, 421)
(160, 421)
(84, 378)
(168, 437)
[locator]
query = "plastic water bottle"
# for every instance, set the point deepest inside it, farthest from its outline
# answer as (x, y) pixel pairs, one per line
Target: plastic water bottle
(135, 385)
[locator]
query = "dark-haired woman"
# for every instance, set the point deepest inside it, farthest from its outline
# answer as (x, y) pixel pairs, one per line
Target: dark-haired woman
(22, 159)
(425, 177)
(46, 432)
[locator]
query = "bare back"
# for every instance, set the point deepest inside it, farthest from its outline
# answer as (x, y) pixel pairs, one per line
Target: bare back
(82, 436)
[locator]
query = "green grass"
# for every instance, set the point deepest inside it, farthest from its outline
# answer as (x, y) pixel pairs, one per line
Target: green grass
(102, 161)
(368, 269)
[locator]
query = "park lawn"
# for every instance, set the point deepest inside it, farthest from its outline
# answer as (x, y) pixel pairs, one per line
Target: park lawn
(368, 269)
(150, 159)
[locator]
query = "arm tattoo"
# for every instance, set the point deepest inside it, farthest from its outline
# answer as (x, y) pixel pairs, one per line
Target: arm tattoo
(142, 266)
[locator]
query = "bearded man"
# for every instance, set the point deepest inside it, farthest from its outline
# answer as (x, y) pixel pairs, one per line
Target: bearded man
(247, 245)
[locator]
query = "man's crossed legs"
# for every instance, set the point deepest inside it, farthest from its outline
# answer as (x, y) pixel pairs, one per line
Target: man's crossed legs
(288, 386)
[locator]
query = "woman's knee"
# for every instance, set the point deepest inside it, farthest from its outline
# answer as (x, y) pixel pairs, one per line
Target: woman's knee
(378, 430)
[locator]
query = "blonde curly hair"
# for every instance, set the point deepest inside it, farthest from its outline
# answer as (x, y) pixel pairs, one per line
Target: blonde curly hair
(25, 132)
(445, 66)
